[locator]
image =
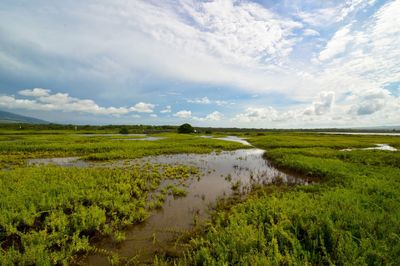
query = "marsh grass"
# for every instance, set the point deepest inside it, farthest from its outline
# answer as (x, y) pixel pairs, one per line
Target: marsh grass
(350, 217)
(50, 213)
(16, 149)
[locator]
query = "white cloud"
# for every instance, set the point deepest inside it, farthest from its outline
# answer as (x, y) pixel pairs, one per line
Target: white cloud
(36, 92)
(241, 31)
(203, 100)
(337, 44)
(318, 17)
(257, 113)
(167, 109)
(206, 100)
(154, 115)
(237, 43)
(142, 107)
(310, 32)
(44, 100)
(333, 14)
(183, 114)
(369, 102)
(214, 116)
(219, 102)
(323, 105)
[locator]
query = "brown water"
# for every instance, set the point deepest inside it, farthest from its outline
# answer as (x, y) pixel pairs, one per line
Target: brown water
(221, 170)
(146, 138)
(62, 161)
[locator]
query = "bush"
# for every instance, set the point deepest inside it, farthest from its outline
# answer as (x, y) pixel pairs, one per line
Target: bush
(124, 131)
(185, 128)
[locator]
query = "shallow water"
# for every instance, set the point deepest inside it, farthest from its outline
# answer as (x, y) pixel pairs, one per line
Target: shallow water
(63, 161)
(147, 138)
(111, 135)
(221, 171)
(383, 147)
(235, 139)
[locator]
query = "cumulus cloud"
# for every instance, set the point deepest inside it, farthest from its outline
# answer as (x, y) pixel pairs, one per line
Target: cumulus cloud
(214, 116)
(142, 107)
(36, 92)
(252, 114)
(320, 107)
(369, 102)
(323, 105)
(167, 109)
(43, 99)
(183, 114)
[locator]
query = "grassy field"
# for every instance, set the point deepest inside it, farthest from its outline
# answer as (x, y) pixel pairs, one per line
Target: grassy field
(15, 149)
(52, 214)
(351, 216)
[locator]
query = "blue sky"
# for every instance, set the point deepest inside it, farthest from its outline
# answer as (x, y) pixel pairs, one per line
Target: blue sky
(265, 64)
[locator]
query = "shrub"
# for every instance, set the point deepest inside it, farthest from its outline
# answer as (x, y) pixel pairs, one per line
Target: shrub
(124, 131)
(185, 128)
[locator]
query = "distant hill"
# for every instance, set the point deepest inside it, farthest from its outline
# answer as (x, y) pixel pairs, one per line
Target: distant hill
(7, 117)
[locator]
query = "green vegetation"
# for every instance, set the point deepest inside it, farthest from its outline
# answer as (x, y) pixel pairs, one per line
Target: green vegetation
(16, 149)
(124, 131)
(351, 216)
(185, 129)
(53, 215)
(50, 214)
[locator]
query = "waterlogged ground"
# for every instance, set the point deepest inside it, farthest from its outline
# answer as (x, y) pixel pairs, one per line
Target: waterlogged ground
(59, 193)
(350, 217)
(382, 147)
(64, 197)
(223, 173)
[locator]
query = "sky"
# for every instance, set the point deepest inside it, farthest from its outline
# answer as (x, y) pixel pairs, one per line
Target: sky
(220, 63)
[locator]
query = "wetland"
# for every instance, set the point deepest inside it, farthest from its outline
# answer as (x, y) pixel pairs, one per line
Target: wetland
(181, 199)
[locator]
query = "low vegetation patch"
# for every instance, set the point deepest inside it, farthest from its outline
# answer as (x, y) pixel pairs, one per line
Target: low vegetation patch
(350, 217)
(16, 149)
(50, 214)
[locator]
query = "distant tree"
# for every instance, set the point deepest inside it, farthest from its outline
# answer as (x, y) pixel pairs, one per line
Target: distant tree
(124, 131)
(185, 128)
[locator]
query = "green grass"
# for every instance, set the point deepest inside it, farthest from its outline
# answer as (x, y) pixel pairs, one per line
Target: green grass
(350, 217)
(51, 215)
(15, 149)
